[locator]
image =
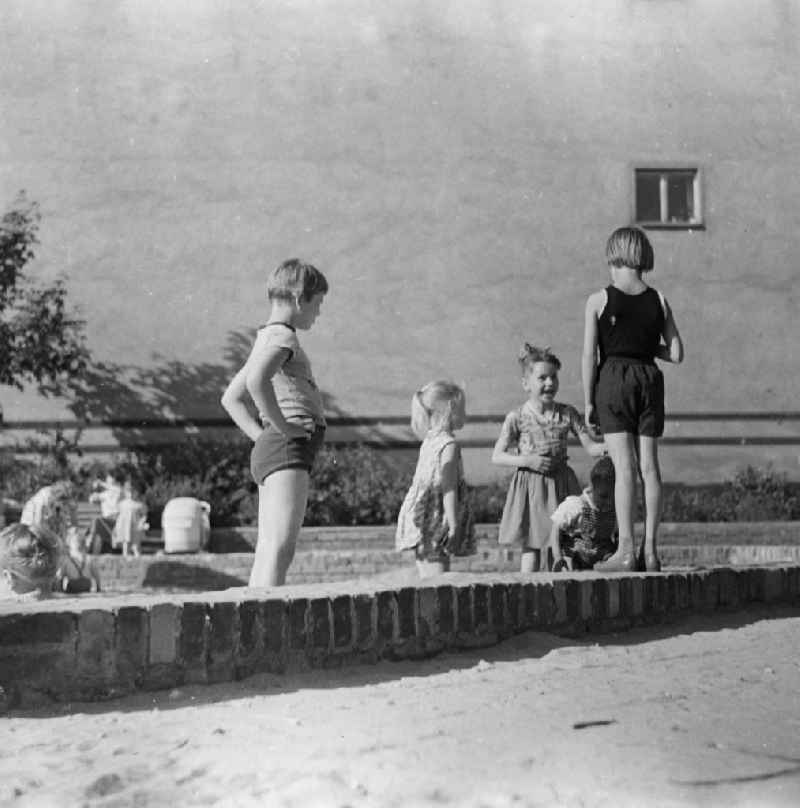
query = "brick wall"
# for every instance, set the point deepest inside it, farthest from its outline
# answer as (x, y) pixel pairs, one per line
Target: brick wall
(99, 648)
(211, 572)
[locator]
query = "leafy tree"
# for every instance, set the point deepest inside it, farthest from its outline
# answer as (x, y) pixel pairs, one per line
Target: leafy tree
(41, 341)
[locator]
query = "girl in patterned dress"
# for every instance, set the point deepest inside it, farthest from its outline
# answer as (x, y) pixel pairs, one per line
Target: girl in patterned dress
(533, 440)
(435, 519)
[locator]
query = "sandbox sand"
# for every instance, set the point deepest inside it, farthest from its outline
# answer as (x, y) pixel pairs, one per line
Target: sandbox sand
(703, 712)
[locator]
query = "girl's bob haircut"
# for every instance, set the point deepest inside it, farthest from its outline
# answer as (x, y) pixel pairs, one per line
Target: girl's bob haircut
(437, 405)
(531, 354)
(630, 247)
(296, 280)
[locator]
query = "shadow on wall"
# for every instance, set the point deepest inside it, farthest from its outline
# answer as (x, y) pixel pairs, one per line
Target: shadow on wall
(169, 400)
(134, 400)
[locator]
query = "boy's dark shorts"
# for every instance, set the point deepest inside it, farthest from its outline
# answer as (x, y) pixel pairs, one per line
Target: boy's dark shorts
(629, 397)
(273, 451)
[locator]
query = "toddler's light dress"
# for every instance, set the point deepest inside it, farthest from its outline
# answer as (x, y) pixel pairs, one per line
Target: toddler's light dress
(131, 525)
(533, 496)
(421, 522)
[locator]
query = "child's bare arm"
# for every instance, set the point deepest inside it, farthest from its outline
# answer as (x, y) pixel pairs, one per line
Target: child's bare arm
(501, 456)
(234, 400)
(263, 364)
(589, 356)
(672, 349)
(450, 487)
(593, 447)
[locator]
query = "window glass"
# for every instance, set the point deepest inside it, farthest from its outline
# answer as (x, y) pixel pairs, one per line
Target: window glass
(680, 196)
(667, 197)
(648, 204)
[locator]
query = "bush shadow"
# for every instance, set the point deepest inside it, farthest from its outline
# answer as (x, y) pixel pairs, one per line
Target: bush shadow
(181, 577)
(138, 403)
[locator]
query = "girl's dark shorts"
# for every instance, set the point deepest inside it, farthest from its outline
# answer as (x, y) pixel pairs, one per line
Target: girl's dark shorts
(273, 451)
(629, 397)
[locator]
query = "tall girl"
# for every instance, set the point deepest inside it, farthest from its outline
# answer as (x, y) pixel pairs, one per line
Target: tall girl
(435, 519)
(533, 440)
(628, 325)
(290, 427)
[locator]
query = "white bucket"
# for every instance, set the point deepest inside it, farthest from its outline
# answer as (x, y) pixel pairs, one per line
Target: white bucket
(185, 525)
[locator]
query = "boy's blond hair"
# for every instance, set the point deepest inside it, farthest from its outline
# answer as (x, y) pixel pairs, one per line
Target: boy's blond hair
(295, 280)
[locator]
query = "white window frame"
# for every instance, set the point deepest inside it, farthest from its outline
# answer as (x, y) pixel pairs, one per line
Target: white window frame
(696, 222)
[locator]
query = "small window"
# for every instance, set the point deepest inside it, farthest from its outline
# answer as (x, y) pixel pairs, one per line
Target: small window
(668, 197)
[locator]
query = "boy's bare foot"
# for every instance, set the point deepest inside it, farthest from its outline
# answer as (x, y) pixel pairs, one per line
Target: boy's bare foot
(647, 562)
(619, 562)
(652, 563)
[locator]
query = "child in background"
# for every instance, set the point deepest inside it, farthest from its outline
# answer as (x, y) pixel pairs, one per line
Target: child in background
(533, 440)
(131, 525)
(628, 325)
(78, 572)
(435, 519)
(290, 427)
(29, 559)
(107, 494)
(585, 526)
(53, 507)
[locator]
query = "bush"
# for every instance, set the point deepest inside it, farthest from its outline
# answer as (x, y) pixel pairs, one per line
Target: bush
(352, 485)
(355, 485)
(755, 494)
(487, 501)
(213, 470)
(47, 458)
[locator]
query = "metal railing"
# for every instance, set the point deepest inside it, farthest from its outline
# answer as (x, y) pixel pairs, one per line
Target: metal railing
(388, 442)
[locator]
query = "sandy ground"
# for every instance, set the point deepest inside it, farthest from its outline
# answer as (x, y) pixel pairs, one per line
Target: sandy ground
(705, 712)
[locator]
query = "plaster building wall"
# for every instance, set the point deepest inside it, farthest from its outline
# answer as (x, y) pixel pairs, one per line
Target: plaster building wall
(454, 168)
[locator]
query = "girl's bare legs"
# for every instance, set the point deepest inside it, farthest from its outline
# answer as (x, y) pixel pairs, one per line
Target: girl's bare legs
(622, 449)
(282, 499)
(651, 478)
(529, 560)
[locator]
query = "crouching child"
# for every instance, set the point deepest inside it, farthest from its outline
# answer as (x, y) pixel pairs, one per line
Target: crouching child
(584, 529)
(78, 572)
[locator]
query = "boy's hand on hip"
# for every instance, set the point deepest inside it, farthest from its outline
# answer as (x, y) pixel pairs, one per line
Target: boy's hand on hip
(293, 431)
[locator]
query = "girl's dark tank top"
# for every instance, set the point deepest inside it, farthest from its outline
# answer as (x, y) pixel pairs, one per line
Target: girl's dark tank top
(631, 325)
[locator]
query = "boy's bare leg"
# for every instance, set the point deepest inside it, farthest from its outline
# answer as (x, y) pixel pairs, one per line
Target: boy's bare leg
(282, 499)
(651, 478)
(622, 449)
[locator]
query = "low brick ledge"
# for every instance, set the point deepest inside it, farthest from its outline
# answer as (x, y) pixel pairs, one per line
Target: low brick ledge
(203, 572)
(102, 647)
(243, 539)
